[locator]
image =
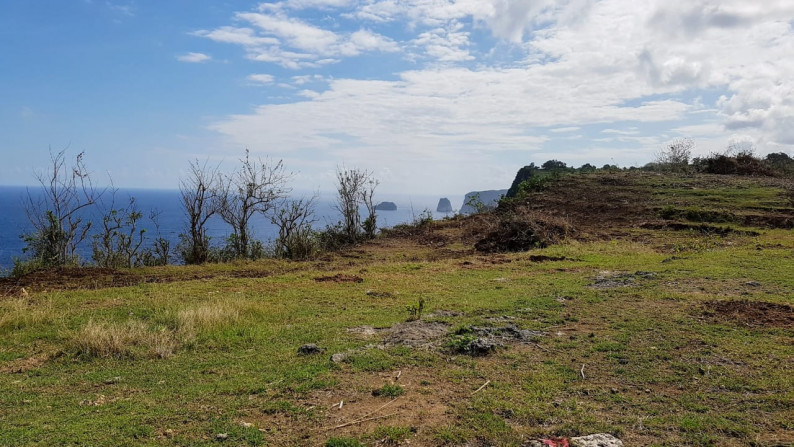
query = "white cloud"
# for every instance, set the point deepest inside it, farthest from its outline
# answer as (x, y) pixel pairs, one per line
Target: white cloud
(127, 9)
(262, 79)
(193, 57)
(445, 44)
(616, 64)
(293, 43)
(565, 129)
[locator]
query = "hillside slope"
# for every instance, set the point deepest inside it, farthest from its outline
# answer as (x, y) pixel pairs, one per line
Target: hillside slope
(664, 316)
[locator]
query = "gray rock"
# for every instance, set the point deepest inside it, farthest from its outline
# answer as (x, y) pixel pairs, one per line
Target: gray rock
(481, 347)
(309, 349)
(386, 206)
(596, 440)
(444, 206)
(339, 357)
(222, 436)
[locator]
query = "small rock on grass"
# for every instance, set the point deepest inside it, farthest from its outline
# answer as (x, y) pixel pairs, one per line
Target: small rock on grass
(222, 436)
(480, 347)
(596, 440)
(338, 357)
(309, 349)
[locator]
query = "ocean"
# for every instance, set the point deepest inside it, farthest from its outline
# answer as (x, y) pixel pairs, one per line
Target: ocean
(172, 221)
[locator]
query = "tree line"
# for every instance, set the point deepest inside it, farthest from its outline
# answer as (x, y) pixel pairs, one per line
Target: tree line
(63, 217)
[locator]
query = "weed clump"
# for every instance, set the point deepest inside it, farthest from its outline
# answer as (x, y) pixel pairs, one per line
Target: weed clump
(389, 390)
(343, 442)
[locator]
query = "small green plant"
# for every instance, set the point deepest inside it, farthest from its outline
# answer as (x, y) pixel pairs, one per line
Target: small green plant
(415, 310)
(460, 343)
(389, 390)
(386, 435)
(343, 442)
(476, 203)
(423, 219)
(668, 212)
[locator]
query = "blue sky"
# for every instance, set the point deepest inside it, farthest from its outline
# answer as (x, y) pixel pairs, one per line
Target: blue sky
(434, 96)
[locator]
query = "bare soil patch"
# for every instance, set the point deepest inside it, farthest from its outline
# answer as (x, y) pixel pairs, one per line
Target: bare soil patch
(426, 404)
(339, 277)
(751, 313)
(416, 334)
(91, 278)
(25, 364)
(614, 280)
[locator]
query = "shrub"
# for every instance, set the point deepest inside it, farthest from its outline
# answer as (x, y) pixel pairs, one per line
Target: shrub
(675, 155)
(57, 215)
(517, 229)
(296, 238)
(744, 163)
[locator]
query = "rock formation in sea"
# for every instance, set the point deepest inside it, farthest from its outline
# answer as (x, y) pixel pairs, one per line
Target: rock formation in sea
(386, 206)
(477, 201)
(444, 206)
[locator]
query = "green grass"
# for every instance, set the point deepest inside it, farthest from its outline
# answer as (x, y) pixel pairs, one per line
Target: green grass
(178, 363)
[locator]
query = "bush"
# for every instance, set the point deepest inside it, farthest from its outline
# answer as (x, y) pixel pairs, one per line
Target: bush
(518, 229)
(675, 155)
(741, 164)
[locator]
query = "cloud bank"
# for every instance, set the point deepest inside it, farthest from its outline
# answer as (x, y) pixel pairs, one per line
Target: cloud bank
(506, 82)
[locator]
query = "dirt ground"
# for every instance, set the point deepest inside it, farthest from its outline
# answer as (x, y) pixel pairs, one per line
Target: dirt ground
(751, 313)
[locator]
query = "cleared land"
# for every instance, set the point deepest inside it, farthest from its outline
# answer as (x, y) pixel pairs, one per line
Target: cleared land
(665, 317)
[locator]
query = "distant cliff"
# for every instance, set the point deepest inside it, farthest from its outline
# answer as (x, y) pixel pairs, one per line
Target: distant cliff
(444, 206)
(487, 199)
(524, 173)
(386, 206)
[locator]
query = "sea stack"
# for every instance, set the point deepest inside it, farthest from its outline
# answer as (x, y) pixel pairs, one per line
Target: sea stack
(444, 206)
(386, 206)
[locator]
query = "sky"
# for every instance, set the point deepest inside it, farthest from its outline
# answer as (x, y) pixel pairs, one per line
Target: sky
(433, 96)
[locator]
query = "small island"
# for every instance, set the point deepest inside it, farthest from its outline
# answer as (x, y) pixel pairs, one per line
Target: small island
(444, 206)
(386, 206)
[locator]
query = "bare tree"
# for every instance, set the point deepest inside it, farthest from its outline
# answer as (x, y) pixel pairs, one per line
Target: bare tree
(252, 189)
(160, 252)
(119, 241)
(370, 224)
(198, 193)
(356, 187)
(59, 214)
(294, 219)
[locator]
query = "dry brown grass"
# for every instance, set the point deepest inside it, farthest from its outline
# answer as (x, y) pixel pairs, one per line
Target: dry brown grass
(209, 316)
(134, 338)
(125, 340)
(23, 312)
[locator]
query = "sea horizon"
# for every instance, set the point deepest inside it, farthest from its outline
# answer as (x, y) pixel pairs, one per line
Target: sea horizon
(14, 222)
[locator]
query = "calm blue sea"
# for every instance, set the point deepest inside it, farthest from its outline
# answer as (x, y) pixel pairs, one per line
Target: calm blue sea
(14, 222)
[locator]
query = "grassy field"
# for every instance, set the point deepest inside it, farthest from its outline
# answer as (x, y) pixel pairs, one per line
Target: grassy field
(665, 320)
